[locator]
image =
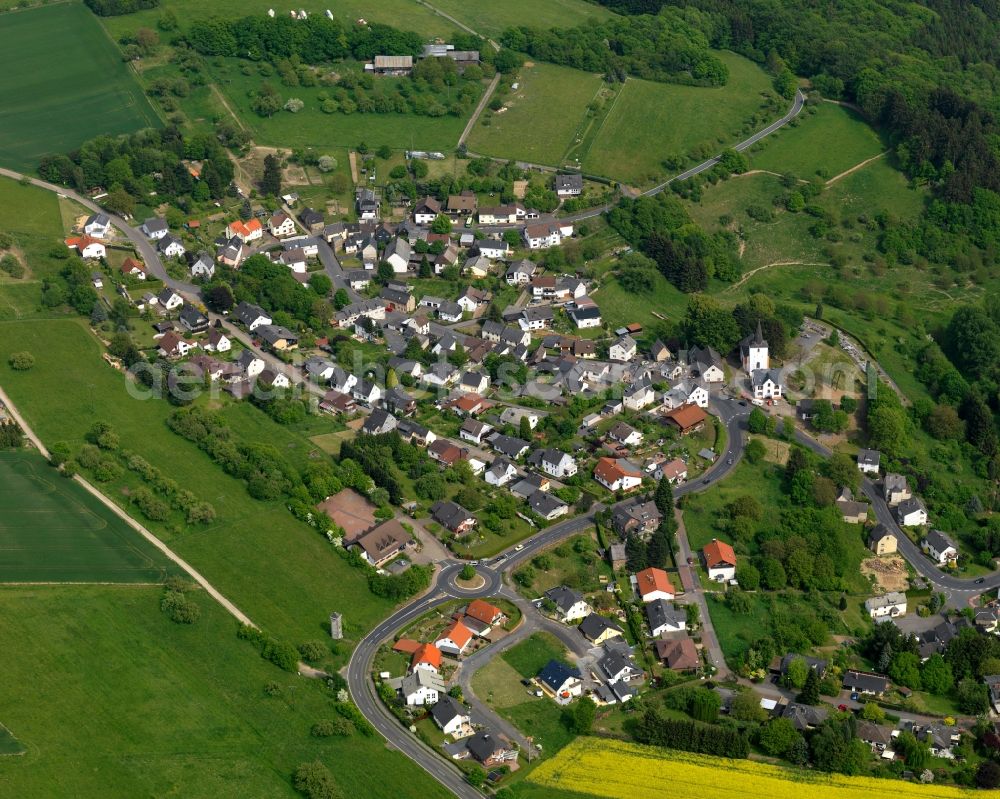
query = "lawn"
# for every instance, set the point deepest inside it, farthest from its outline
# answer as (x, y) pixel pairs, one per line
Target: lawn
(54, 530)
(531, 655)
(53, 104)
(618, 307)
(111, 699)
(564, 565)
(826, 141)
(491, 20)
(542, 115)
(653, 121)
(277, 570)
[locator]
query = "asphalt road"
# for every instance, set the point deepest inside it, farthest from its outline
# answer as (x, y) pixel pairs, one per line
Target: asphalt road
(444, 589)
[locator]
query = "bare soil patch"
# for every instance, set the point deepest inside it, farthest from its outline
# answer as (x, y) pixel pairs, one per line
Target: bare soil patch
(890, 573)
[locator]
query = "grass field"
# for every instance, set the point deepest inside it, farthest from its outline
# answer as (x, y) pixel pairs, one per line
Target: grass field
(114, 701)
(9, 745)
(404, 14)
(52, 104)
(277, 570)
(53, 530)
(826, 142)
(531, 655)
(541, 117)
(652, 121)
(490, 19)
(311, 128)
(618, 770)
(618, 307)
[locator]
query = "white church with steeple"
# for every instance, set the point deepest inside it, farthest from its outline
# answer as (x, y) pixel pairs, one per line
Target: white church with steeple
(753, 352)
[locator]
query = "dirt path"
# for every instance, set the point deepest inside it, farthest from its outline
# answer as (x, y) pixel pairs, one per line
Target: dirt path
(854, 168)
(234, 611)
(229, 109)
(753, 272)
(479, 109)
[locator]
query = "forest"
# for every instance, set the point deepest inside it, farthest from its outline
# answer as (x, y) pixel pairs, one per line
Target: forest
(664, 48)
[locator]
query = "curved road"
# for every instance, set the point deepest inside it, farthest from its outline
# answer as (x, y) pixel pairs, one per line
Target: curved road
(444, 590)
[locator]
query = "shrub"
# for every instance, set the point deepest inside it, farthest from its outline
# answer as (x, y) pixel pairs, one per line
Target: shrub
(311, 651)
(21, 361)
(180, 608)
(328, 728)
(314, 781)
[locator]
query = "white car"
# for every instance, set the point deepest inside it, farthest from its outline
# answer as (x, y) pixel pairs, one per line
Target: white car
(519, 547)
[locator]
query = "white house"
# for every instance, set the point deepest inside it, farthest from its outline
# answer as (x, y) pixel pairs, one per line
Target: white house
(492, 248)
(169, 246)
(652, 584)
(617, 474)
(625, 434)
(911, 512)
(886, 606)
(454, 640)
(557, 463)
(570, 605)
(663, 617)
(569, 185)
(940, 547)
(426, 211)
(397, 253)
(98, 225)
(895, 489)
(766, 383)
(87, 247)
(623, 349)
(543, 235)
(720, 561)
(250, 363)
(281, 224)
(473, 430)
(202, 266)
(252, 316)
(170, 299)
(155, 228)
(868, 460)
(217, 341)
(501, 472)
(451, 716)
(422, 687)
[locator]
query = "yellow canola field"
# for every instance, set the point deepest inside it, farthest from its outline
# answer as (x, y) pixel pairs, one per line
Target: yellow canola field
(618, 770)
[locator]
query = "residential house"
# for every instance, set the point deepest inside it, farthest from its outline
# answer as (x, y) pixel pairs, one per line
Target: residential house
(450, 312)
(557, 463)
(993, 686)
(637, 518)
(598, 629)
(940, 548)
(378, 422)
(440, 374)
(251, 364)
(511, 446)
(868, 460)
(97, 279)
(294, 259)
(513, 416)
(501, 471)
(501, 215)
(426, 657)
(674, 471)
(452, 517)
(706, 364)
(193, 319)
(201, 265)
(616, 666)
(520, 272)
(623, 349)
(473, 430)
(367, 203)
(451, 716)
(367, 392)
(382, 543)
(474, 300)
(560, 681)
(853, 512)
(687, 418)
(864, 682)
(570, 605)
(490, 749)
(454, 640)
(397, 253)
(269, 378)
(543, 235)
(911, 512)
(484, 614)
(886, 606)
(881, 541)
(720, 561)
(397, 401)
(895, 489)
(463, 204)
(245, 231)
(617, 474)
(536, 317)
(426, 211)
(569, 185)
(659, 352)
(665, 618)
(312, 220)
(474, 382)
(133, 268)
(585, 316)
(217, 341)
(422, 687)
(87, 247)
(337, 402)
(173, 346)
(97, 226)
(492, 249)
(281, 225)
(169, 246)
(678, 654)
(415, 433)
(277, 337)
(230, 252)
(398, 298)
(155, 228)
(686, 392)
(652, 584)
(803, 717)
(625, 434)
(169, 299)
(766, 384)
(546, 505)
(358, 279)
